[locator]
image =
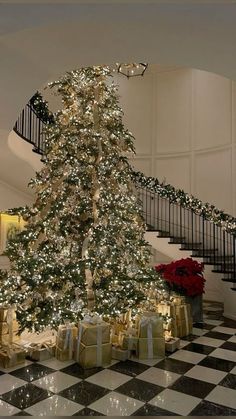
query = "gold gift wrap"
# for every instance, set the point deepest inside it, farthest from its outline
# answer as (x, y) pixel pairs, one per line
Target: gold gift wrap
(183, 311)
(129, 342)
(63, 329)
(5, 328)
(42, 351)
(63, 354)
(172, 344)
(88, 355)
(9, 338)
(179, 299)
(157, 348)
(118, 327)
(89, 333)
(184, 328)
(120, 354)
(11, 357)
(4, 313)
(152, 320)
(166, 309)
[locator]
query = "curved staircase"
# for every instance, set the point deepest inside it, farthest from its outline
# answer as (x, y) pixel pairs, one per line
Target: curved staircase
(166, 218)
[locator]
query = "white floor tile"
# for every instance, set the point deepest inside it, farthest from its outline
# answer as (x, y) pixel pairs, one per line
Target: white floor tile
(187, 356)
(232, 339)
(227, 330)
(109, 379)
(175, 402)
(204, 340)
(54, 406)
(24, 364)
(8, 383)
(55, 364)
(159, 377)
(233, 371)
(7, 410)
(206, 374)
(113, 362)
(183, 343)
(199, 332)
(224, 354)
(56, 381)
(224, 396)
(115, 404)
(213, 322)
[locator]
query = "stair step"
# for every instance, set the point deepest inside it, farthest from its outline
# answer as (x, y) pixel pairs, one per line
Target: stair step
(233, 289)
(177, 240)
(228, 279)
(220, 271)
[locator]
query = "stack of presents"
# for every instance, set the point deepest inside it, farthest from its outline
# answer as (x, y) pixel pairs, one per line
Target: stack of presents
(94, 342)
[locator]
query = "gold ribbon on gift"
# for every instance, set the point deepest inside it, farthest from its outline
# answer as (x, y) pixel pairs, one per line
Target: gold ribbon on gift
(42, 345)
(96, 321)
(9, 320)
(68, 342)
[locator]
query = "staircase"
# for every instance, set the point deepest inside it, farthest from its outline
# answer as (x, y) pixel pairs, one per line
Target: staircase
(166, 217)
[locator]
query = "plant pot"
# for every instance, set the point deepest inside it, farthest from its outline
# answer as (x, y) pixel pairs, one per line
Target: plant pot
(196, 308)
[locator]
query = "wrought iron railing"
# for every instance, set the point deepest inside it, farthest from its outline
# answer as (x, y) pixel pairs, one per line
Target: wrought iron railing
(204, 238)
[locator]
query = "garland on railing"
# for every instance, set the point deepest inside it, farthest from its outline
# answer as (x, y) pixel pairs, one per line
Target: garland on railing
(178, 196)
(41, 109)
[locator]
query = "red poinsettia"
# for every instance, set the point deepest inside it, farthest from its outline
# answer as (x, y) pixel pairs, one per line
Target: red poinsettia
(184, 276)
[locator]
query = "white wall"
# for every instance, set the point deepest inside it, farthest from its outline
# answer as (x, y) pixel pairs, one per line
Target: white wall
(11, 197)
(183, 121)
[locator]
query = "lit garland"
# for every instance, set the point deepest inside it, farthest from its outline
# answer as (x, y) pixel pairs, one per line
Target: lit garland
(40, 106)
(178, 196)
(83, 246)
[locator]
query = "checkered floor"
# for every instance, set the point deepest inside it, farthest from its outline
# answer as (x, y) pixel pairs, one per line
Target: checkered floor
(199, 379)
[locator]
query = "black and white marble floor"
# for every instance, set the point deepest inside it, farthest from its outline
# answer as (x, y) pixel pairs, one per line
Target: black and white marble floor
(199, 379)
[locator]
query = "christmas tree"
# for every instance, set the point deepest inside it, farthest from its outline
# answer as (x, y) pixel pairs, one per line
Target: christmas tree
(83, 248)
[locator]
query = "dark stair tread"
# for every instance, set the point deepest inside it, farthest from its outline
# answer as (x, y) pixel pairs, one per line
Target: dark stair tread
(220, 271)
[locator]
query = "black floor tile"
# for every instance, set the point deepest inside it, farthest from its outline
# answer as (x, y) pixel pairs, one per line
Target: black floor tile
(217, 364)
(229, 381)
(206, 408)
(26, 396)
(192, 387)
(217, 335)
(149, 410)
(200, 349)
(231, 346)
(21, 413)
(32, 372)
(88, 412)
(84, 393)
(140, 390)
(228, 323)
(129, 367)
(205, 326)
(174, 365)
(190, 338)
(77, 371)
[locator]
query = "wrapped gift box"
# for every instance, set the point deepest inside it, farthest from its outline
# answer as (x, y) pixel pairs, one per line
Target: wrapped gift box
(120, 354)
(179, 299)
(63, 331)
(8, 339)
(171, 327)
(89, 333)
(152, 321)
(4, 314)
(118, 327)
(172, 344)
(5, 327)
(183, 311)
(10, 357)
(129, 342)
(156, 345)
(63, 354)
(42, 352)
(166, 309)
(184, 328)
(93, 355)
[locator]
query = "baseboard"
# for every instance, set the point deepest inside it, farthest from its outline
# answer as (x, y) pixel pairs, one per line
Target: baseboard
(229, 316)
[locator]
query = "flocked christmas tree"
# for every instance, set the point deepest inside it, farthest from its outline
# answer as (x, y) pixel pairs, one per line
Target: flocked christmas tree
(83, 248)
